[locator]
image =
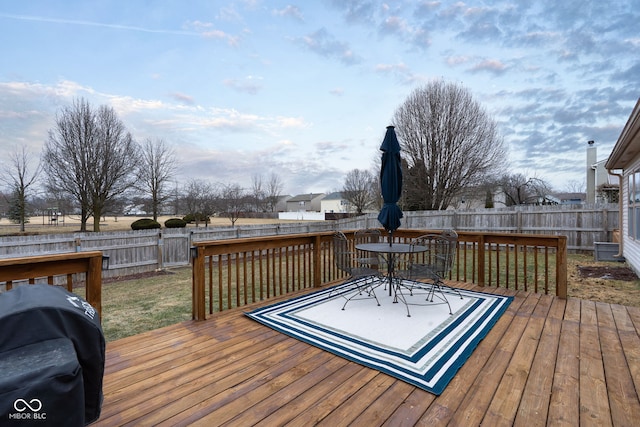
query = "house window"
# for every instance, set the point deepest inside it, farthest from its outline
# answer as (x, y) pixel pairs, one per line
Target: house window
(634, 205)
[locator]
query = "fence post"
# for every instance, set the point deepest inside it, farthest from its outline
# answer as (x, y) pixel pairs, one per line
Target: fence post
(579, 229)
(160, 250)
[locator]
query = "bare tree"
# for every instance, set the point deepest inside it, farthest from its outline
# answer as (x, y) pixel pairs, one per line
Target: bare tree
(232, 202)
(449, 143)
(198, 199)
(520, 190)
(575, 186)
(273, 191)
(20, 176)
(258, 194)
(90, 156)
(358, 189)
(157, 167)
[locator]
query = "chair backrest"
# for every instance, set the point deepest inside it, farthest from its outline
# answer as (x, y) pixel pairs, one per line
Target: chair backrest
(437, 259)
(452, 236)
(341, 252)
(367, 235)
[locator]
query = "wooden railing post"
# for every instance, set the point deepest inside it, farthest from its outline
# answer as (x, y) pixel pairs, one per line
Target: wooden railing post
(317, 261)
(561, 267)
(94, 283)
(481, 261)
(198, 299)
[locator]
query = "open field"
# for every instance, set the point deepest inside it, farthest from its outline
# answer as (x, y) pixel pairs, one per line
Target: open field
(71, 223)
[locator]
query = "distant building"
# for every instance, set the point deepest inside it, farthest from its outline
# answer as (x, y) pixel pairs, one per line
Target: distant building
(308, 202)
(567, 198)
(335, 203)
(597, 174)
(281, 204)
(476, 198)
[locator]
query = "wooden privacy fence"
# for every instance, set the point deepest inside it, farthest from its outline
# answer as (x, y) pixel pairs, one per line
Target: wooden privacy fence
(47, 268)
(233, 273)
(583, 225)
(141, 251)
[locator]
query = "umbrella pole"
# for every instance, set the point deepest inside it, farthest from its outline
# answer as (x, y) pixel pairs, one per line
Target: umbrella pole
(390, 237)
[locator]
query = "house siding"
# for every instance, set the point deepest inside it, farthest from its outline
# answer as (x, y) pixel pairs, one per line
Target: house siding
(631, 246)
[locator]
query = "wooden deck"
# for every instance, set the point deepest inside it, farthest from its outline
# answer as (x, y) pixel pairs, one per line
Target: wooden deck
(547, 361)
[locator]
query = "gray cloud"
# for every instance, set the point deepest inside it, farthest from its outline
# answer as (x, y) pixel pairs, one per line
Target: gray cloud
(490, 65)
(324, 44)
(356, 11)
(628, 76)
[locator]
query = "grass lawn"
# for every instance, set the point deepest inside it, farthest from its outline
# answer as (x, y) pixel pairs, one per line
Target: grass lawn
(136, 305)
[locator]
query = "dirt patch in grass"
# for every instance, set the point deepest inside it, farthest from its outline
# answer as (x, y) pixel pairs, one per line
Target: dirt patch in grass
(610, 282)
(607, 272)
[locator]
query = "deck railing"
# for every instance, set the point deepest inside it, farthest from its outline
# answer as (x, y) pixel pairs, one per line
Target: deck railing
(51, 268)
(233, 273)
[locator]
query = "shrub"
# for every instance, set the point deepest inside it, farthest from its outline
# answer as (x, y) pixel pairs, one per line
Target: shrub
(175, 223)
(145, 224)
(189, 218)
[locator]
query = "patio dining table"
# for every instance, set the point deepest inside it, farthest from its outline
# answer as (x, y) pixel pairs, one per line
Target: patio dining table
(391, 252)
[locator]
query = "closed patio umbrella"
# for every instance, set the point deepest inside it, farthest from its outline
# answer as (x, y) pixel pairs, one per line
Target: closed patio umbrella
(390, 183)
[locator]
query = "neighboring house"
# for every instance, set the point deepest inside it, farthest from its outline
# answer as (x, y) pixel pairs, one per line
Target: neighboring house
(624, 161)
(281, 204)
(596, 173)
(476, 198)
(335, 203)
(309, 202)
(567, 198)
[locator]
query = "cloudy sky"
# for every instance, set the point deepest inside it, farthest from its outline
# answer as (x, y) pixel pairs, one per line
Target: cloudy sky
(305, 89)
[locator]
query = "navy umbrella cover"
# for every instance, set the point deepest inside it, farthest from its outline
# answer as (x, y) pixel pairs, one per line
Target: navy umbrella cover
(390, 182)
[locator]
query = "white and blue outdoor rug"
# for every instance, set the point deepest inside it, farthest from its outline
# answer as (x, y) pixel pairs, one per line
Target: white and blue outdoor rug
(425, 350)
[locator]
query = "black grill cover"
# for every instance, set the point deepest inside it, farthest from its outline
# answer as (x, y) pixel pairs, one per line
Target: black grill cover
(32, 314)
(40, 384)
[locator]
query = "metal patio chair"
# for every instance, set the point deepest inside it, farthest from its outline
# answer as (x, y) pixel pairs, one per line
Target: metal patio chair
(367, 235)
(426, 271)
(363, 280)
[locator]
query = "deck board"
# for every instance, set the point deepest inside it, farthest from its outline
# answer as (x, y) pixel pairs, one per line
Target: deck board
(534, 405)
(564, 407)
(547, 361)
(594, 403)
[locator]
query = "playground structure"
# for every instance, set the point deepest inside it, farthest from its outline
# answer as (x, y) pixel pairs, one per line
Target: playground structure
(54, 217)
